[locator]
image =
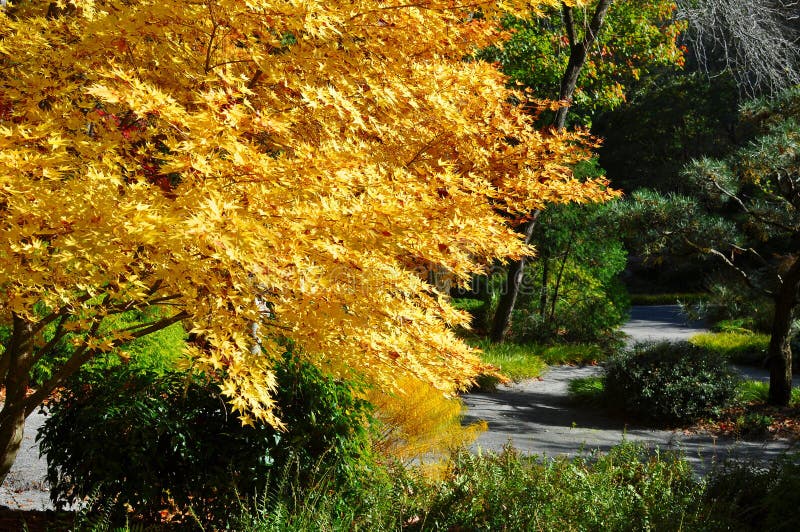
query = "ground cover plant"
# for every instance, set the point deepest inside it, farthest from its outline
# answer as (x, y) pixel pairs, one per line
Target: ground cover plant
(517, 362)
(740, 347)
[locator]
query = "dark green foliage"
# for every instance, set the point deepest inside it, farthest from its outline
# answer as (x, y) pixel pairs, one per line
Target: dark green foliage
(754, 496)
(571, 292)
(157, 442)
(672, 119)
(630, 488)
(669, 382)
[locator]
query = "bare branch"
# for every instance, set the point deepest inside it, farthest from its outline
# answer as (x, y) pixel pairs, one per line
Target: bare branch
(758, 41)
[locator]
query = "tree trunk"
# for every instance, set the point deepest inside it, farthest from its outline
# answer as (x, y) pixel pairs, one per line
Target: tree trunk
(543, 286)
(578, 50)
(13, 414)
(779, 354)
(508, 299)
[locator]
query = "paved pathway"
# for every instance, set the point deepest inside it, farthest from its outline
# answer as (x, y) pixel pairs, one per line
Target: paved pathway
(537, 417)
(25, 487)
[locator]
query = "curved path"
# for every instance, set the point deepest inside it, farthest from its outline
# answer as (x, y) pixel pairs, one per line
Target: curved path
(536, 416)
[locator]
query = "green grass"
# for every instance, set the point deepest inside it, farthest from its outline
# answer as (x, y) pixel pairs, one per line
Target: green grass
(739, 347)
(665, 299)
(587, 390)
(517, 362)
(757, 392)
(529, 361)
(571, 354)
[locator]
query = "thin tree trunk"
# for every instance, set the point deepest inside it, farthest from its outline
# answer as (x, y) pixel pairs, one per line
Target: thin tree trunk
(13, 414)
(516, 271)
(578, 51)
(577, 57)
(543, 286)
(560, 276)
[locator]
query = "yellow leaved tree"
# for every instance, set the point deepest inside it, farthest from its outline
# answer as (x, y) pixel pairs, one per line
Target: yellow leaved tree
(282, 167)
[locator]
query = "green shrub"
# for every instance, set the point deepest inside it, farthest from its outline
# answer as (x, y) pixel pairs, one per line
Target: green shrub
(756, 496)
(739, 347)
(571, 292)
(156, 442)
(630, 488)
(669, 382)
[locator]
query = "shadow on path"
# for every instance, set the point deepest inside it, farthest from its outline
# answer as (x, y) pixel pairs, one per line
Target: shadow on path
(536, 416)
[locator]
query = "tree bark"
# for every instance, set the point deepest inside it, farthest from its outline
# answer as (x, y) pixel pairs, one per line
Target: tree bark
(578, 50)
(508, 299)
(780, 356)
(779, 353)
(13, 414)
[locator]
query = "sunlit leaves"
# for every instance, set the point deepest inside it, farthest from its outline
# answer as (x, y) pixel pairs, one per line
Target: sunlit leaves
(292, 164)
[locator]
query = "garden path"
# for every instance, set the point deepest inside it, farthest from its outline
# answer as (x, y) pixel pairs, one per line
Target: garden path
(536, 416)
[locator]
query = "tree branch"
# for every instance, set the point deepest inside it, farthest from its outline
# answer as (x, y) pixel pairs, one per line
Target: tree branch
(83, 355)
(743, 274)
(569, 23)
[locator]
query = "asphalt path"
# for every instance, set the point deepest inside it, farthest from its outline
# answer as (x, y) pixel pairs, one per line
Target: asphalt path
(537, 417)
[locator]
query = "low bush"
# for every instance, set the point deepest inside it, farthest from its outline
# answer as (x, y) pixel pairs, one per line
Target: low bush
(756, 496)
(630, 488)
(669, 382)
(131, 438)
(740, 347)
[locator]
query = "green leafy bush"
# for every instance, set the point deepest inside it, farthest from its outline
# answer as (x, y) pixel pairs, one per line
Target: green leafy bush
(630, 488)
(135, 438)
(669, 382)
(756, 496)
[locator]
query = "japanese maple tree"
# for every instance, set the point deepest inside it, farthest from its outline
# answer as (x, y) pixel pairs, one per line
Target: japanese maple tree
(279, 164)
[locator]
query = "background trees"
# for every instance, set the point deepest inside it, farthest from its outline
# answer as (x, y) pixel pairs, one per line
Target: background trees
(579, 54)
(755, 40)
